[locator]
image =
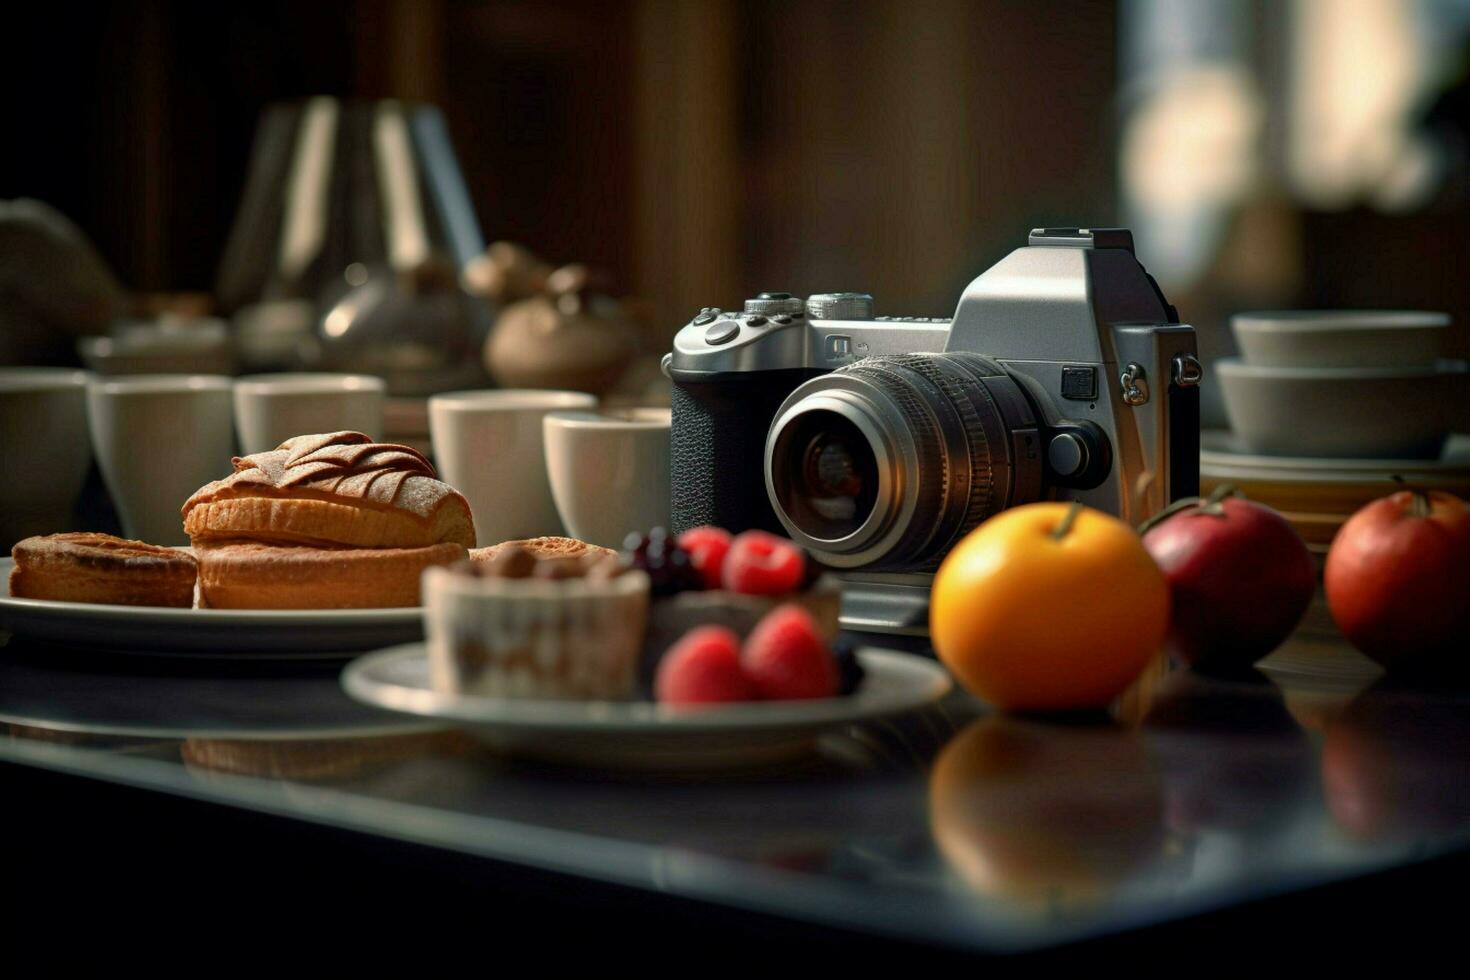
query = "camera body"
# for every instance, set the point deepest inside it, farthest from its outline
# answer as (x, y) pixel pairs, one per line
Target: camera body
(877, 443)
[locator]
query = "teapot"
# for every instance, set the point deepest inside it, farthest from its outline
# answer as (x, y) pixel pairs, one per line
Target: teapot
(567, 337)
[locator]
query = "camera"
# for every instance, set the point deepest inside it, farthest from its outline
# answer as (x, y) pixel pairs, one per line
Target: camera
(878, 442)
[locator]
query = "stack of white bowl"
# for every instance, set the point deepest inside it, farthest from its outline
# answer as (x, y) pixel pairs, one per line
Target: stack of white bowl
(1346, 384)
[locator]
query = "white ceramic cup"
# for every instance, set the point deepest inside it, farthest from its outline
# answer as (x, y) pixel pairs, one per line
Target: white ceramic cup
(271, 408)
(158, 438)
(609, 471)
(488, 445)
(43, 429)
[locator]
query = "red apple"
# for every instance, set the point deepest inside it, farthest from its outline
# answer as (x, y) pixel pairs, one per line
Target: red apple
(1240, 577)
(1398, 580)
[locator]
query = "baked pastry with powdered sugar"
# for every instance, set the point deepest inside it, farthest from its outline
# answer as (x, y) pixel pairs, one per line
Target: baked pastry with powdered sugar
(332, 520)
(333, 489)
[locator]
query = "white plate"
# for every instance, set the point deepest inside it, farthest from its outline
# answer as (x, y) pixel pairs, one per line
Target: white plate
(641, 733)
(1221, 456)
(232, 633)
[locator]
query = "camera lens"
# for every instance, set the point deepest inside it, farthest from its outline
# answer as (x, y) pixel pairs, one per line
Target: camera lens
(887, 462)
(832, 483)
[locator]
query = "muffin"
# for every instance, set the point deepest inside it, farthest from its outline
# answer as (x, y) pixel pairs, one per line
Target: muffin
(523, 625)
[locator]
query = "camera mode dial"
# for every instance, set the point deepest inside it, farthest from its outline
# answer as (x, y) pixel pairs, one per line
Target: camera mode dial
(840, 306)
(774, 304)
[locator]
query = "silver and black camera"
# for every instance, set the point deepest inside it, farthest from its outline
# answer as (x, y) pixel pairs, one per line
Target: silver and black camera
(878, 442)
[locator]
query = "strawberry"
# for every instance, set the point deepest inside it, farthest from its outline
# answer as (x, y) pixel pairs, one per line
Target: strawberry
(787, 659)
(763, 564)
(707, 547)
(703, 667)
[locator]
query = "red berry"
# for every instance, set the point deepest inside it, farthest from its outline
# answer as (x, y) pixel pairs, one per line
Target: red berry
(707, 547)
(763, 564)
(786, 658)
(703, 667)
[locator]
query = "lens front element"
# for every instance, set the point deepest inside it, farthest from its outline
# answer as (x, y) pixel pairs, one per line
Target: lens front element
(885, 463)
(830, 482)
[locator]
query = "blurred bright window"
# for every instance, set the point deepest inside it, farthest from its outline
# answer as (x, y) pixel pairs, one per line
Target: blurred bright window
(1317, 100)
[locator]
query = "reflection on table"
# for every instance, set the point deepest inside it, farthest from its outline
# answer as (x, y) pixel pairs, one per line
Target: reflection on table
(951, 823)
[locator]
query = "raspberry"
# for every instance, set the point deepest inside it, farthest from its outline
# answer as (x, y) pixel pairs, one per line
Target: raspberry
(703, 667)
(707, 547)
(763, 564)
(786, 658)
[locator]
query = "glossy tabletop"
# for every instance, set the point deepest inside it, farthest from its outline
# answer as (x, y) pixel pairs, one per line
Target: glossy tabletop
(953, 826)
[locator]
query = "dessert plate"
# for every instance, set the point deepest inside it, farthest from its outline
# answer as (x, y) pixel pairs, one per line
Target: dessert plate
(229, 633)
(642, 734)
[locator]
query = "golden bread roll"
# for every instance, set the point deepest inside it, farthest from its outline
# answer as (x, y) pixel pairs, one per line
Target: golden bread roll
(251, 575)
(85, 566)
(334, 489)
(548, 547)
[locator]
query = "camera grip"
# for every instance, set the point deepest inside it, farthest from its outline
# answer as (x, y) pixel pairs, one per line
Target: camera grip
(717, 450)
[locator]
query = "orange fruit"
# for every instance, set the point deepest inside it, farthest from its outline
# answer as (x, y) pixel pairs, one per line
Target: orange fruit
(1031, 612)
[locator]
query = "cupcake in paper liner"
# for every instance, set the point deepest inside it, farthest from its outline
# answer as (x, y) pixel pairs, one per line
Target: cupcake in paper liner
(536, 628)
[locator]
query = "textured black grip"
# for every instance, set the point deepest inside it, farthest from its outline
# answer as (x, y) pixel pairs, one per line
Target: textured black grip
(717, 452)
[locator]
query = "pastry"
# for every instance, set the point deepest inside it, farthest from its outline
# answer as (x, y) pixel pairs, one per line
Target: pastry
(548, 547)
(529, 625)
(86, 566)
(337, 489)
(252, 575)
(330, 521)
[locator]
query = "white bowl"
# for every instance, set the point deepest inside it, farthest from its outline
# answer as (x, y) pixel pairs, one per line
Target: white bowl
(1402, 412)
(1340, 338)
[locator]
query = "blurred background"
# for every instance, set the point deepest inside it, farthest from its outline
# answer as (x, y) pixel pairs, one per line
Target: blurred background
(1301, 153)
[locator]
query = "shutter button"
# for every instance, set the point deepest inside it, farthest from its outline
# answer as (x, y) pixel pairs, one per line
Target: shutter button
(722, 332)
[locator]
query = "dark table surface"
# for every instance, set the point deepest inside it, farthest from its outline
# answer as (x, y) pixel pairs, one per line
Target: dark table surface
(953, 828)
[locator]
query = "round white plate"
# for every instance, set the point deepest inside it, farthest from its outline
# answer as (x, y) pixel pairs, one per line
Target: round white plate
(1221, 456)
(642, 733)
(232, 633)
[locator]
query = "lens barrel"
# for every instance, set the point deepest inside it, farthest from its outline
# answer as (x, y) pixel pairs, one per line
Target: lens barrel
(886, 463)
